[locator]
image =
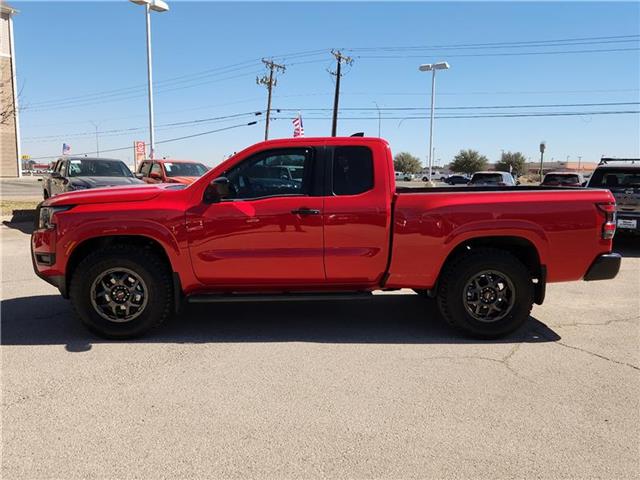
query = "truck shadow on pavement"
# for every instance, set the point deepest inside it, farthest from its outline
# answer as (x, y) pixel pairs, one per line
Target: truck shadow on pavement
(392, 319)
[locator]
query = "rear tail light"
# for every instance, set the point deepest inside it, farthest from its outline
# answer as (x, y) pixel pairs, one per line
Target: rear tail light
(609, 225)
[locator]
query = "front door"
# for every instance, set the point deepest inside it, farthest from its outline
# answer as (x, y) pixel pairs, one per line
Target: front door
(268, 231)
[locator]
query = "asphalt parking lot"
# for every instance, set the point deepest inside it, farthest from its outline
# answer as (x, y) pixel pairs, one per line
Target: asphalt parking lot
(25, 188)
(368, 389)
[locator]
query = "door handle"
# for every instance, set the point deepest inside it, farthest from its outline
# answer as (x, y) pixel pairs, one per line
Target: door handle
(305, 211)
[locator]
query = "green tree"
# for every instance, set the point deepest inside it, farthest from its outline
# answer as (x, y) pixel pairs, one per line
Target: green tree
(513, 162)
(406, 163)
(468, 161)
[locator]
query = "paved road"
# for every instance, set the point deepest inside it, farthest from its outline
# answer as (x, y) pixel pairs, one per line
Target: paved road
(26, 188)
(378, 389)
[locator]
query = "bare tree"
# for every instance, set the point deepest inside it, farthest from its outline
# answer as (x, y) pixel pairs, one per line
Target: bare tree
(7, 104)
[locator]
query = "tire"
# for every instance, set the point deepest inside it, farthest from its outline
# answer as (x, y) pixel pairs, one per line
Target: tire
(100, 309)
(497, 312)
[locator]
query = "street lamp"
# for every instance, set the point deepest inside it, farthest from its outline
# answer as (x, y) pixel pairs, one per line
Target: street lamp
(379, 117)
(97, 141)
(432, 67)
(156, 6)
(543, 147)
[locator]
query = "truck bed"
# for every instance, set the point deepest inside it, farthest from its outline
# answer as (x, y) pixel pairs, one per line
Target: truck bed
(562, 224)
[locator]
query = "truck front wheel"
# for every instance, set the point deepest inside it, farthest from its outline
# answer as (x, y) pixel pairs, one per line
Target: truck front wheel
(121, 291)
(486, 293)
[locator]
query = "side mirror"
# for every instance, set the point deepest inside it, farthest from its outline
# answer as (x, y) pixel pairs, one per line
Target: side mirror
(218, 189)
(138, 175)
(56, 175)
(155, 176)
(517, 182)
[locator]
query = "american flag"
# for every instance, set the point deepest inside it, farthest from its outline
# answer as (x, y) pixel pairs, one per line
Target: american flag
(66, 148)
(298, 130)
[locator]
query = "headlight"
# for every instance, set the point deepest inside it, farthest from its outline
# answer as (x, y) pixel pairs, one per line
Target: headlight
(45, 216)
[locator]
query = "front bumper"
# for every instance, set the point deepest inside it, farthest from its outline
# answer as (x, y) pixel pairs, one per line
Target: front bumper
(604, 267)
(43, 259)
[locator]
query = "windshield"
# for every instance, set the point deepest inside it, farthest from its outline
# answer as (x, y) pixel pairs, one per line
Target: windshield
(184, 169)
(98, 168)
(490, 178)
(619, 178)
(557, 178)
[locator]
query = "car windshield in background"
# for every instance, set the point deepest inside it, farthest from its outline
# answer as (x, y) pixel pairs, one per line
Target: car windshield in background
(98, 168)
(487, 178)
(184, 169)
(618, 178)
(561, 179)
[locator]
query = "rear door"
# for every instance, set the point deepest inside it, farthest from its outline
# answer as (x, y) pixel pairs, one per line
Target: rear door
(268, 231)
(357, 214)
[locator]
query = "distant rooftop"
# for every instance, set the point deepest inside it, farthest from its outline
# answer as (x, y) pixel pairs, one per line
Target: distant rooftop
(8, 9)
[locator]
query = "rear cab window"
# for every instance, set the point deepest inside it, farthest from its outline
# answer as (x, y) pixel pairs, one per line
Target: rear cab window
(144, 169)
(352, 170)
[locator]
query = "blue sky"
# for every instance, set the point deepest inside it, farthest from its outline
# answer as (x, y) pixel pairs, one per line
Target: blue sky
(84, 62)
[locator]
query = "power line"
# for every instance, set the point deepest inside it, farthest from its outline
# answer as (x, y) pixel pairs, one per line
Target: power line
(248, 64)
(190, 123)
(504, 54)
(470, 107)
(490, 115)
(160, 126)
(169, 140)
(509, 43)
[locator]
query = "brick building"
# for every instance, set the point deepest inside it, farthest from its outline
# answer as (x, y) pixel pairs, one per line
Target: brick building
(9, 121)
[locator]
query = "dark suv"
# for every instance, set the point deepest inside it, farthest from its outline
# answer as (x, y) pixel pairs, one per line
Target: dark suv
(622, 178)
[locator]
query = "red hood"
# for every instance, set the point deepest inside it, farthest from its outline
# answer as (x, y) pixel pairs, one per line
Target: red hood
(137, 193)
(183, 180)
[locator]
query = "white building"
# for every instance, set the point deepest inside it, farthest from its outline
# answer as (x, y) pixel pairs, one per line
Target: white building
(9, 121)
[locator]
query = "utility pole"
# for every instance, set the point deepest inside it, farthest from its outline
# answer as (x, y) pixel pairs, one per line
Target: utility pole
(269, 81)
(97, 142)
(340, 59)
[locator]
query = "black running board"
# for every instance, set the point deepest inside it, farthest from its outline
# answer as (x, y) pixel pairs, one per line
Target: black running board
(276, 297)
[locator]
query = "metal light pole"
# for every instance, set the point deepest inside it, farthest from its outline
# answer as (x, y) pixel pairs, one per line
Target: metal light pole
(156, 6)
(432, 67)
(543, 146)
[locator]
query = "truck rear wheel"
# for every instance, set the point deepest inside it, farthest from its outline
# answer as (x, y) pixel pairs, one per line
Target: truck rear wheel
(486, 293)
(121, 291)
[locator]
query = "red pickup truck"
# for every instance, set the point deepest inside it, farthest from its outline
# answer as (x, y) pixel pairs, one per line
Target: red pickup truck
(311, 218)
